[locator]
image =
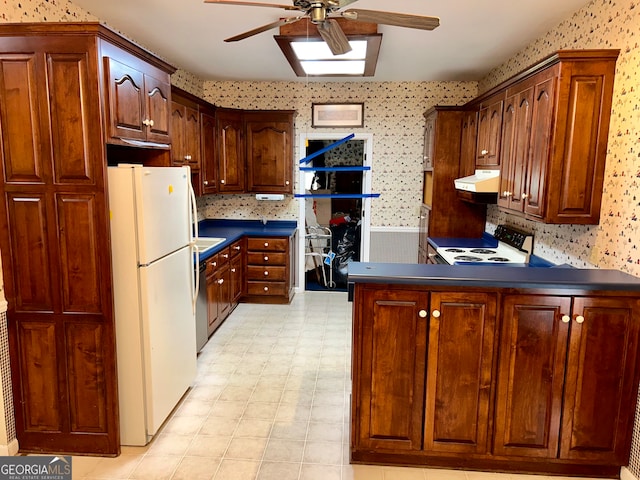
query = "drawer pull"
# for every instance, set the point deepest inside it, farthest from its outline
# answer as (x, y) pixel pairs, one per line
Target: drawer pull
(436, 314)
(266, 259)
(214, 264)
(579, 319)
(266, 244)
(221, 281)
(266, 273)
(566, 319)
(422, 314)
(266, 289)
(237, 247)
(225, 255)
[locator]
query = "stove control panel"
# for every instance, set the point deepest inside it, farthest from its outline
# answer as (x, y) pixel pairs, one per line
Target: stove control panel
(514, 237)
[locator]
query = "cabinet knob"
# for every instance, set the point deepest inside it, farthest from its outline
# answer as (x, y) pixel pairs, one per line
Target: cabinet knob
(507, 194)
(221, 281)
(524, 196)
(287, 182)
(566, 319)
(206, 182)
(484, 152)
(145, 122)
(225, 255)
(214, 264)
(266, 259)
(233, 270)
(237, 247)
(266, 274)
(222, 181)
(266, 289)
(579, 319)
(266, 244)
(422, 314)
(151, 123)
(436, 314)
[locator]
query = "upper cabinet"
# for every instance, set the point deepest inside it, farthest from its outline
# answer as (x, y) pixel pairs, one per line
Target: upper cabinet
(489, 129)
(137, 98)
(269, 151)
(208, 153)
(551, 140)
(185, 132)
(231, 151)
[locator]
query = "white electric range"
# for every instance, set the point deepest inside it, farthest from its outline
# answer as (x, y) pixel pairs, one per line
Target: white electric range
(513, 247)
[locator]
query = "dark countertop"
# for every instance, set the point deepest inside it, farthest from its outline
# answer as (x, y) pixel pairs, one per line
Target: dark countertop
(233, 230)
(492, 276)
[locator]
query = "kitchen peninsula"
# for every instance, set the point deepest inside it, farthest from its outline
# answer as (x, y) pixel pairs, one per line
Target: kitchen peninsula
(492, 368)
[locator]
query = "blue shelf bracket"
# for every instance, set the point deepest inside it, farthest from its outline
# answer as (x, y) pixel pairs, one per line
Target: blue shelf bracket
(308, 158)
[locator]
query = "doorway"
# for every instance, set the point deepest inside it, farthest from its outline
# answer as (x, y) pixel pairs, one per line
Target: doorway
(335, 184)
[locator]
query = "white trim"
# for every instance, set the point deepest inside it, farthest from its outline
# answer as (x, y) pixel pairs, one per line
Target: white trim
(365, 226)
(625, 474)
(11, 449)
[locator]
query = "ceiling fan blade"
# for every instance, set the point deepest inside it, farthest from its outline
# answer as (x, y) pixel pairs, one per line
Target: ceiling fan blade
(334, 37)
(263, 28)
(252, 4)
(388, 18)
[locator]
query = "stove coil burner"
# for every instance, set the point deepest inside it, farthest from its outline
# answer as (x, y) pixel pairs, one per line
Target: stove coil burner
(498, 259)
(454, 250)
(483, 251)
(468, 258)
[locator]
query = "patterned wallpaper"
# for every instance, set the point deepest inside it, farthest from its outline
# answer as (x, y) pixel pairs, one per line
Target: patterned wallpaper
(393, 113)
(614, 243)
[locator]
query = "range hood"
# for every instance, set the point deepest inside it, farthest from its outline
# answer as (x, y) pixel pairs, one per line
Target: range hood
(483, 181)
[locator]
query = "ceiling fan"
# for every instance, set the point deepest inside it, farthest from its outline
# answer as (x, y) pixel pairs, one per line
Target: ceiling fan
(322, 12)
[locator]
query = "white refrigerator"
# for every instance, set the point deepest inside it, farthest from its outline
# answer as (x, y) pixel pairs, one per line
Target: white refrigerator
(155, 283)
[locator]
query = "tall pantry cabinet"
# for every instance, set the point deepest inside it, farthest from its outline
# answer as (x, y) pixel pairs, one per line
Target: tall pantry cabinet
(54, 231)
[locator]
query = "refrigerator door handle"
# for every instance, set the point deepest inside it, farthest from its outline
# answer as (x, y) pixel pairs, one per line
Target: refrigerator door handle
(193, 233)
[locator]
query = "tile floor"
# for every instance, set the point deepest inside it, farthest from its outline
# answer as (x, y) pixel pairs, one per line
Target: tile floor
(270, 402)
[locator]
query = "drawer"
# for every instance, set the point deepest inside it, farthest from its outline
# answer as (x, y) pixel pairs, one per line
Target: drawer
(236, 248)
(268, 273)
(267, 244)
(212, 264)
(266, 288)
(266, 258)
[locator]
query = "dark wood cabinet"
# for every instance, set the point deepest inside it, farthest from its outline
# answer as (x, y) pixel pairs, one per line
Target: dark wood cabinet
(138, 98)
(269, 151)
(218, 275)
(423, 234)
(231, 151)
(459, 374)
(237, 271)
(208, 152)
(447, 215)
(55, 235)
(185, 133)
(505, 379)
(429, 132)
(468, 143)
(489, 132)
(269, 270)
(390, 345)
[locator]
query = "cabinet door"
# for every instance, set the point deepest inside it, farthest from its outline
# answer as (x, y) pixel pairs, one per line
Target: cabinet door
(602, 377)
(531, 371)
(192, 137)
(389, 383)
(514, 153)
(157, 108)
(178, 134)
(269, 154)
(542, 111)
(223, 279)
(208, 155)
(468, 144)
(231, 152)
(489, 132)
(423, 231)
(460, 360)
(429, 132)
(236, 278)
(127, 100)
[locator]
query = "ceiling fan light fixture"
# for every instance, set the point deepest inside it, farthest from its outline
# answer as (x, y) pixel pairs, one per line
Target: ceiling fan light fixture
(333, 68)
(320, 51)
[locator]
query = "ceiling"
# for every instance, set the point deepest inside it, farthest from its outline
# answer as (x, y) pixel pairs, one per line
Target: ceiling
(473, 37)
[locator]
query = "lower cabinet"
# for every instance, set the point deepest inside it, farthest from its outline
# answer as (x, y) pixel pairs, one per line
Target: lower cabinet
(493, 379)
(269, 270)
(224, 284)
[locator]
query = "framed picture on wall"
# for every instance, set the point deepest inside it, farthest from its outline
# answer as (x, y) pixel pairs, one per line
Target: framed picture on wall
(337, 115)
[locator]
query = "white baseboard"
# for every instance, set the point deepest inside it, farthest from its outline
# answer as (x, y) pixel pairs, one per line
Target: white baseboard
(625, 474)
(9, 450)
